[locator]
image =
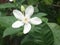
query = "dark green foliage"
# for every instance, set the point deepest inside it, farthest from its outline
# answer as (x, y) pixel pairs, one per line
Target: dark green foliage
(56, 32)
(45, 34)
(7, 5)
(39, 35)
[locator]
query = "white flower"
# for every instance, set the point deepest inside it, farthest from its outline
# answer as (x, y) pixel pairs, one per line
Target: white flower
(26, 19)
(10, 0)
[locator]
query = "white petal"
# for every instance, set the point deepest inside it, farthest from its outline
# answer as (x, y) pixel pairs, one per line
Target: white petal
(18, 14)
(27, 28)
(17, 24)
(35, 21)
(29, 11)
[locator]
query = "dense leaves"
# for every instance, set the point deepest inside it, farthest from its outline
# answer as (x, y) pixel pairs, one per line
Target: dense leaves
(56, 32)
(39, 35)
(7, 21)
(45, 34)
(11, 31)
(31, 2)
(7, 5)
(48, 2)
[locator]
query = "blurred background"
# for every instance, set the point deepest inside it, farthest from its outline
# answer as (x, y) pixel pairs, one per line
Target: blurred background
(50, 7)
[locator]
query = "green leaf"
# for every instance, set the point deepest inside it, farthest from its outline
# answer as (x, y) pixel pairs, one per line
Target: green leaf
(32, 2)
(20, 1)
(36, 9)
(11, 31)
(48, 2)
(56, 32)
(40, 14)
(7, 5)
(7, 21)
(44, 19)
(39, 35)
(58, 19)
(0, 13)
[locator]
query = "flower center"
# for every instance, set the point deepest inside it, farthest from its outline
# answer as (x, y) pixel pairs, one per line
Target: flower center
(25, 20)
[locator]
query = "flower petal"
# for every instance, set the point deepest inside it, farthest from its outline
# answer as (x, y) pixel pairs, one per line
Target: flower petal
(27, 28)
(17, 24)
(35, 21)
(18, 14)
(29, 11)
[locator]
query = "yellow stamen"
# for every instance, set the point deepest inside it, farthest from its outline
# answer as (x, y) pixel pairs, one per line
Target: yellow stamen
(25, 20)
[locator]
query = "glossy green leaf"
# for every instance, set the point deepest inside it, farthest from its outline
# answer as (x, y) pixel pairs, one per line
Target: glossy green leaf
(40, 14)
(11, 31)
(7, 21)
(56, 32)
(44, 19)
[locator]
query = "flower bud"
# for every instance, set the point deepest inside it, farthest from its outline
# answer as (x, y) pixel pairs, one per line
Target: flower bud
(22, 8)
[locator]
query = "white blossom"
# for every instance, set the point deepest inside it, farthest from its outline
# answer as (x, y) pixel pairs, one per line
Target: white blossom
(25, 19)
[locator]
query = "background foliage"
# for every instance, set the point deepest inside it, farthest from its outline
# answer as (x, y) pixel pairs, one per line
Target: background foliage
(48, 33)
